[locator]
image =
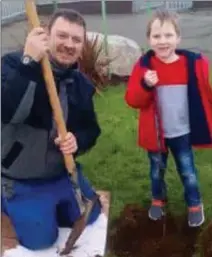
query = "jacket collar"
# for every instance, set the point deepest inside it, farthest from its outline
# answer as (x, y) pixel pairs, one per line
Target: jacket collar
(146, 58)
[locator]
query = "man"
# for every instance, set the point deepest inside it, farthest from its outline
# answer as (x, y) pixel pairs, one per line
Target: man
(37, 193)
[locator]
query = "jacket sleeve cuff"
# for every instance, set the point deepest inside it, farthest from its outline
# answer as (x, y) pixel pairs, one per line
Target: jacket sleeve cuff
(31, 71)
(145, 86)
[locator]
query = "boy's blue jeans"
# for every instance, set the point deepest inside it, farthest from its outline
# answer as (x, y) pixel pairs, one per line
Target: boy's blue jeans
(36, 209)
(181, 150)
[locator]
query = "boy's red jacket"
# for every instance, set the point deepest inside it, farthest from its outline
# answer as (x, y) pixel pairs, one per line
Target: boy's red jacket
(139, 96)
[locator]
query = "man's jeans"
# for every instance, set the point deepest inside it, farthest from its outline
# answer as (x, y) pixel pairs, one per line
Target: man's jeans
(182, 152)
(37, 208)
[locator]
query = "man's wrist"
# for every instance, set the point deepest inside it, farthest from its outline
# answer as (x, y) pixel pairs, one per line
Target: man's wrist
(29, 67)
(27, 59)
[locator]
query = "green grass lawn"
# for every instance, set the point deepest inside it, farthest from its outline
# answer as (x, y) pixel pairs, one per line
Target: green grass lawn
(118, 165)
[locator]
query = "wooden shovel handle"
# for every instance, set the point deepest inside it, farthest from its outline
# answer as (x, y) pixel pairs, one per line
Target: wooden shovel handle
(33, 19)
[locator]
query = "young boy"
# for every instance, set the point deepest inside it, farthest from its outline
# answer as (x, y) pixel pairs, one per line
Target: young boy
(171, 89)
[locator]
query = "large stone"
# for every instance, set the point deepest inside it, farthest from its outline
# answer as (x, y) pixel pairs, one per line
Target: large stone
(123, 51)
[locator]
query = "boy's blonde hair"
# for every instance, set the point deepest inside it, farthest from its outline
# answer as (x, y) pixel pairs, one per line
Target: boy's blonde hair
(163, 16)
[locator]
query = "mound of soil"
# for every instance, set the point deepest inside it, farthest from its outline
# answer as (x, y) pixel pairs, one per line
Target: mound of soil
(135, 235)
(206, 241)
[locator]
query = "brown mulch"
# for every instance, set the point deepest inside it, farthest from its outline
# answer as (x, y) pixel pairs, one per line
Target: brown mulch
(135, 235)
(206, 241)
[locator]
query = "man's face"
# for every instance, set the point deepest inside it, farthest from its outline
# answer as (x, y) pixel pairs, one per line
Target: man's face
(163, 39)
(66, 41)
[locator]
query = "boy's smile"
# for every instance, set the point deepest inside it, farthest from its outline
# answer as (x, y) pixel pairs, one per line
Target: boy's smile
(164, 40)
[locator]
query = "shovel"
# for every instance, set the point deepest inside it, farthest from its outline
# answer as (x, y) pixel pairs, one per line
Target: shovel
(85, 208)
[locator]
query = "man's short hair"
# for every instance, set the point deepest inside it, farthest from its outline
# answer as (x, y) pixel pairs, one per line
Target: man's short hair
(69, 15)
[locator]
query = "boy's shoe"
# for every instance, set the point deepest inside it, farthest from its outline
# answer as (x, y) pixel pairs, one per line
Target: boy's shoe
(196, 216)
(156, 211)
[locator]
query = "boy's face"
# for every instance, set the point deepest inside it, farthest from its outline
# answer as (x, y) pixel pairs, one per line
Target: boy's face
(66, 41)
(163, 39)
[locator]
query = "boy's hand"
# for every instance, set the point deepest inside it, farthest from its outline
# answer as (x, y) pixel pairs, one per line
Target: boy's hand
(151, 78)
(69, 145)
(37, 44)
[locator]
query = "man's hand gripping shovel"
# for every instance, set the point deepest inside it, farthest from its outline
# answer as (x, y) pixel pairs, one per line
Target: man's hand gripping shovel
(85, 208)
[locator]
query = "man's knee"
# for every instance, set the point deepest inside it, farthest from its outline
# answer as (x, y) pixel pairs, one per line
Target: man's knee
(37, 241)
(34, 231)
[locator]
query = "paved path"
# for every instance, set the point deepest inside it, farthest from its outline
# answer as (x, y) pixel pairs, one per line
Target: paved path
(196, 30)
